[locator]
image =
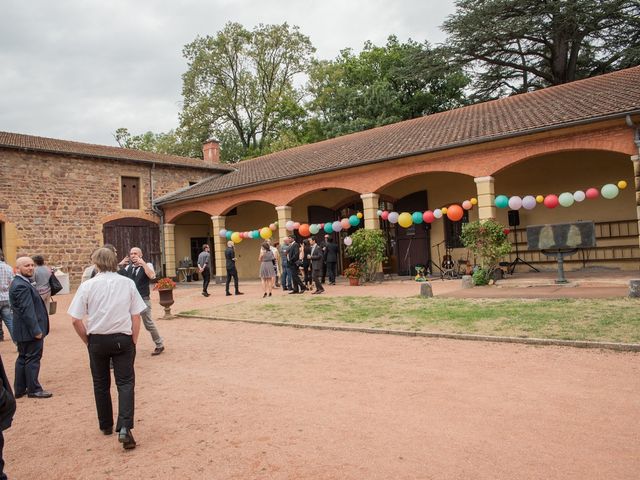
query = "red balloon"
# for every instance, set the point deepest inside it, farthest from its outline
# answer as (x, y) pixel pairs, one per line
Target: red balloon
(551, 201)
(384, 215)
(304, 230)
(428, 216)
(592, 193)
(455, 213)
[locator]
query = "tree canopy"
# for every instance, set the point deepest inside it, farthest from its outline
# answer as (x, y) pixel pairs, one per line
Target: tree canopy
(514, 46)
(379, 86)
(239, 86)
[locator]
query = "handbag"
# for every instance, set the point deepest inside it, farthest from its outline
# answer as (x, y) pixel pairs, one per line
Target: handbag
(55, 284)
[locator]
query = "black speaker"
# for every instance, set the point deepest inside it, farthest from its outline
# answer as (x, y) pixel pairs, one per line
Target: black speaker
(514, 218)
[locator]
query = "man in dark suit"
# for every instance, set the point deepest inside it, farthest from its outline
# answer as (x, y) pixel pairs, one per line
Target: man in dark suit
(30, 326)
(332, 250)
(293, 257)
(230, 257)
(316, 258)
(7, 409)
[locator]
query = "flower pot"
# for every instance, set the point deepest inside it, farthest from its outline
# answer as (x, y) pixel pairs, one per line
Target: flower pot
(354, 282)
(166, 300)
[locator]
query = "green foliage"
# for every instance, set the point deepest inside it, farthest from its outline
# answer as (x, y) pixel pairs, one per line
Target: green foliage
(379, 86)
(168, 143)
(487, 241)
(514, 46)
(367, 250)
(480, 277)
(239, 87)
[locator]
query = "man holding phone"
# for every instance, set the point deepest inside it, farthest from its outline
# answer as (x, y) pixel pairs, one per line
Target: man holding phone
(134, 267)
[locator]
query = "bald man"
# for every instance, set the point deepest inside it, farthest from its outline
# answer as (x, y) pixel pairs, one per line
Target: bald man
(30, 326)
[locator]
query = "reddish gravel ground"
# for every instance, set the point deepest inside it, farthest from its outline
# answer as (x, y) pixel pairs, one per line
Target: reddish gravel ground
(240, 401)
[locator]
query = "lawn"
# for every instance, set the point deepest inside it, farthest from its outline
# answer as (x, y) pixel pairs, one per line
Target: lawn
(610, 320)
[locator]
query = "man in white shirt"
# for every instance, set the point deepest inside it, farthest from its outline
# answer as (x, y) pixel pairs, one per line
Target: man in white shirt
(113, 306)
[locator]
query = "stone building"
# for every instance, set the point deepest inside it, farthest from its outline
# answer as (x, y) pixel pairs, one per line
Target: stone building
(62, 199)
(561, 139)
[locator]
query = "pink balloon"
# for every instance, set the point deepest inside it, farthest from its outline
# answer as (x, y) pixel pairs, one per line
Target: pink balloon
(384, 215)
(467, 205)
(272, 226)
(551, 201)
(296, 225)
(346, 225)
(592, 193)
(428, 216)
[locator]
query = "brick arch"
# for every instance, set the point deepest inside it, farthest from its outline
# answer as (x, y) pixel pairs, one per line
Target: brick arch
(379, 188)
(121, 215)
(187, 212)
(324, 186)
(244, 202)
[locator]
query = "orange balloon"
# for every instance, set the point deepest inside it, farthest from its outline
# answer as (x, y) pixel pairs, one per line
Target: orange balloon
(304, 230)
(455, 213)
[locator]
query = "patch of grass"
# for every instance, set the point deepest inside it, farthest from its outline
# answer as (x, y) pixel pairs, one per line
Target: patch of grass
(613, 320)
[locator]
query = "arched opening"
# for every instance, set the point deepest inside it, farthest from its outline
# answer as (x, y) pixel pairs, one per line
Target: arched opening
(192, 231)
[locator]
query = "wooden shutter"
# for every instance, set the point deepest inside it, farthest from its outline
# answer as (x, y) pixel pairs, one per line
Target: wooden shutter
(130, 193)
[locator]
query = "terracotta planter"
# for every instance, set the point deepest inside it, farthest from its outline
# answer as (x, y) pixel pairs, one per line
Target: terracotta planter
(166, 300)
(354, 282)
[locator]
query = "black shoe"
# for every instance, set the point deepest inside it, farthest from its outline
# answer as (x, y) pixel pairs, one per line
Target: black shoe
(40, 394)
(205, 294)
(269, 293)
(158, 351)
(125, 437)
(20, 395)
(239, 293)
(320, 291)
(293, 292)
(264, 295)
(228, 294)
(107, 431)
(332, 283)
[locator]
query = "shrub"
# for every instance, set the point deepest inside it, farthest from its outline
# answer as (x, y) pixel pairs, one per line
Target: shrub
(480, 277)
(487, 241)
(367, 250)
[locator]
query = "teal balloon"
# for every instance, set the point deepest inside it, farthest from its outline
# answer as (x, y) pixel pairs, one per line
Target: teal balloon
(354, 221)
(228, 234)
(566, 199)
(417, 217)
(502, 201)
(328, 228)
(609, 191)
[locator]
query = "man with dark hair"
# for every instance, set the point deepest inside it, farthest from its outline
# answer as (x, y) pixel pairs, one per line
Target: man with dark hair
(333, 250)
(30, 326)
(203, 267)
(293, 259)
(6, 277)
(230, 257)
(316, 256)
(134, 267)
(113, 306)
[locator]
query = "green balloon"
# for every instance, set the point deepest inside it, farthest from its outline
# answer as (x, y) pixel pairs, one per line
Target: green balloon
(502, 201)
(609, 191)
(417, 217)
(566, 199)
(328, 228)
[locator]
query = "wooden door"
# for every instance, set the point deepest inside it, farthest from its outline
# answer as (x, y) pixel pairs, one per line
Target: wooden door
(126, 233)
(413, 242)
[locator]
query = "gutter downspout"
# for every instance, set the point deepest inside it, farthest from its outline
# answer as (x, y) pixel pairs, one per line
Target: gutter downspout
(158, 211)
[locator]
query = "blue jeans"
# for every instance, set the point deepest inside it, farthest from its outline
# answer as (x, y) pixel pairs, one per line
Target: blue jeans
(286, 278)
(7, 318)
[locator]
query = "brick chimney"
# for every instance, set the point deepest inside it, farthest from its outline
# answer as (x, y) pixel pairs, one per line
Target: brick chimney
(211, 151)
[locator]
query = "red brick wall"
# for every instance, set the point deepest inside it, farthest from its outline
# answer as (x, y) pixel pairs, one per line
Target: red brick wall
(59, 203)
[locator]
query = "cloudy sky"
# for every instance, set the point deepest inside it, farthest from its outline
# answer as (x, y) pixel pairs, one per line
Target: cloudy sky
(80, 69)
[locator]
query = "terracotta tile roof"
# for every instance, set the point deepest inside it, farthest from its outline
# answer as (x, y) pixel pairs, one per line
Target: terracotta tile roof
(65, 147)
(584, 101)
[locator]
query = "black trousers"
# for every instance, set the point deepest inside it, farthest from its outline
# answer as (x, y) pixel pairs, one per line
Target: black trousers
(206, 277)
(331, 271)
(120, 349)
(296, 283)
(316, 275)
(28, 367)
(232, 273)
(2, 474)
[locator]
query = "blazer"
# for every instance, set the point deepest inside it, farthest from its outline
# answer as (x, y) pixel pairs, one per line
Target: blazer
(317, 257)
(30, 316)
(293, 255)
(7, 400)
(332, 252)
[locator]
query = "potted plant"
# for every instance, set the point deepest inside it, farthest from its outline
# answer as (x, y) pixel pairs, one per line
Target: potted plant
(165, 288)
(353, 272)
(488, 241)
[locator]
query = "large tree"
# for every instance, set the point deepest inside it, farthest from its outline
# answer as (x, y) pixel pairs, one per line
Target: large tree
(380, 85)
(239, 87)
(514, 46)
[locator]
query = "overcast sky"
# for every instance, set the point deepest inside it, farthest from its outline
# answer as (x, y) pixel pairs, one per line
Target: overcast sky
(80, 69)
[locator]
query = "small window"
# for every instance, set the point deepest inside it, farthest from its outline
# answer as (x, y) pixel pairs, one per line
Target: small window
(130, 193)
(453, 230)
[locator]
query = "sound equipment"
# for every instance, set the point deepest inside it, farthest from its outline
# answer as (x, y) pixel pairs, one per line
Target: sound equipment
(514, 218)
(447, 262)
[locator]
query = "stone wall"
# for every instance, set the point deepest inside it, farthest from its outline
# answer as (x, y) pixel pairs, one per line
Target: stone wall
(55, 205)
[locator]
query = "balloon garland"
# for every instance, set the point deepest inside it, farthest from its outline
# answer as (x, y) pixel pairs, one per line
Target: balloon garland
(453, 212)
(304, 229)
(565, 199)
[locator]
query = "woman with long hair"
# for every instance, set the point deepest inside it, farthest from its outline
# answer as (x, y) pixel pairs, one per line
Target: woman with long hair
(267, 273)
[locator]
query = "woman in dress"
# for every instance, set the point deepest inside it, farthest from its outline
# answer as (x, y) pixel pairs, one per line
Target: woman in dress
(267, 273)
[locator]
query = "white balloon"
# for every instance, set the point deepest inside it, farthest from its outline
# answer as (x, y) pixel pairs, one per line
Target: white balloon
(337, 226)
(515, 203)
(437, 213)
(393, 217)
(347, 241)
(529, 202)
(579, 196)
(289, 225)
